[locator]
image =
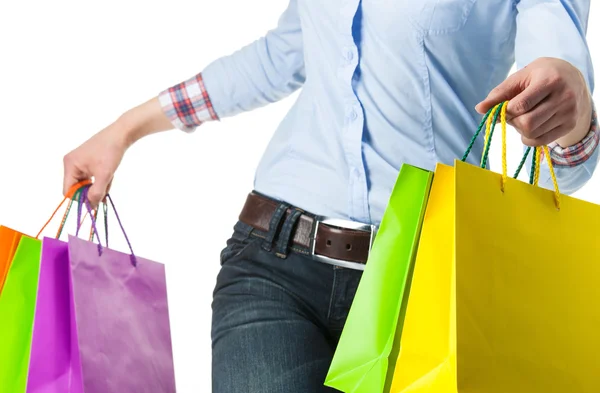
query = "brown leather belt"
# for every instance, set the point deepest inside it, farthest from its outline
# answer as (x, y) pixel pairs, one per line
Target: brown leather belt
(334, 241)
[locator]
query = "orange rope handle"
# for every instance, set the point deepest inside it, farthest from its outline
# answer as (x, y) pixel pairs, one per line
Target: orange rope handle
(69, 195)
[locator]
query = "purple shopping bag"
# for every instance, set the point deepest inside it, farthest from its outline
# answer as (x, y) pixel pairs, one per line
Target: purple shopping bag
(101, 322)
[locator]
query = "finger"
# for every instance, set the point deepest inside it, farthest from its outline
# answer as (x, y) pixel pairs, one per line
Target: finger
(548, 137)
(72, 175)
(68, 182)
(538, 121)
(528, 99)
(98, 189)
(552, 123)
(512, 86)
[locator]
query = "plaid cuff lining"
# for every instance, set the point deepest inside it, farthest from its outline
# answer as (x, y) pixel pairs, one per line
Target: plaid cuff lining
(579, 153)
(187, 104)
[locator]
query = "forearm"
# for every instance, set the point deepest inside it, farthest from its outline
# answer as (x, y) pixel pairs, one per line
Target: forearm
(143, 120)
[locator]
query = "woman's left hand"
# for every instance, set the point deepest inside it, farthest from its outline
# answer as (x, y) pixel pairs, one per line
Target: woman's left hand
(549, 102)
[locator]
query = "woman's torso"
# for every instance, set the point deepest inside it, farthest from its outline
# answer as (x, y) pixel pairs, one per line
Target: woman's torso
(387, 83)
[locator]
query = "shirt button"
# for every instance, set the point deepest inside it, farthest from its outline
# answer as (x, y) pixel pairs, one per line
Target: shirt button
(349, 55)
(352, 115)
(356, 173)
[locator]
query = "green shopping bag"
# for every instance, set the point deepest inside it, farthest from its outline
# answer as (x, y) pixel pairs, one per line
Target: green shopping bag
(17, 307)
(18, 301)
(369, 341)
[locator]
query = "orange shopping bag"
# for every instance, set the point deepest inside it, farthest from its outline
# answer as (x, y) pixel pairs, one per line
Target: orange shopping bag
(9, 240)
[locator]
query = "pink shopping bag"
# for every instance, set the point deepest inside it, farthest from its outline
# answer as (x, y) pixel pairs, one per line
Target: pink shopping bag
(101, 321)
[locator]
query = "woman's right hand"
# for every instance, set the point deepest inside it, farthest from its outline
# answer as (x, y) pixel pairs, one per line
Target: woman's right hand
(100, 156)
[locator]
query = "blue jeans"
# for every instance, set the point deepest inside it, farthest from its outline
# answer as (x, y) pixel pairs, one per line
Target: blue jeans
(277, 318)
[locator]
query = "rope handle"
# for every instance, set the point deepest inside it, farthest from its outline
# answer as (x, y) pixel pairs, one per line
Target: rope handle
(69, 195)
(72, 195)
(66, 213)
(84, 201)
(91, 235)
(105, 217)
(490, 120)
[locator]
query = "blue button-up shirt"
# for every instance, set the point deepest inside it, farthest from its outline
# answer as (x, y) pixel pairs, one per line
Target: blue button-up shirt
(385, 83)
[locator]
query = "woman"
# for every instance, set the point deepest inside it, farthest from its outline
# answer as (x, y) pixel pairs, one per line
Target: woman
(383, 83)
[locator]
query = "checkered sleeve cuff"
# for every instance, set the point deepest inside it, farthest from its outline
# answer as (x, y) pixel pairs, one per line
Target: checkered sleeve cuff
(187, 104)
(579, 153)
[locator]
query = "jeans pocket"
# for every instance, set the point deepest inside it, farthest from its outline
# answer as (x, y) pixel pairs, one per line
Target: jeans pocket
(239, 242)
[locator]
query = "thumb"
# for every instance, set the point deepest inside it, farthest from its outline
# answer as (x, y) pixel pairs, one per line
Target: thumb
(507, 90)
(98, 190)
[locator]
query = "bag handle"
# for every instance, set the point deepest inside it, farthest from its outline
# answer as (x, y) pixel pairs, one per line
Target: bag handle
(72, 195)
(84, 200)
(69, 195)
(490, 120)
(105, 218)
(80, 198)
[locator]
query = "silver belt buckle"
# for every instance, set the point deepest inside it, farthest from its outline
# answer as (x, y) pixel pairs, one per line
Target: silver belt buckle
(346, 224)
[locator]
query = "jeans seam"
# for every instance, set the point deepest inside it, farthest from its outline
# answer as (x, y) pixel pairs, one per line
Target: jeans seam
(244, 245)
(333, 287)
(300, 251)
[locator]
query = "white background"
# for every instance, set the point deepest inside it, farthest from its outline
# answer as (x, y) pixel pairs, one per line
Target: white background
(69, 68)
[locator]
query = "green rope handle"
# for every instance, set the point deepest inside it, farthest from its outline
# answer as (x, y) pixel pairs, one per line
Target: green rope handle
(489, 141)
(474, 138)
(64, 220)
(522, 163)
(534, 163)
(105, 211)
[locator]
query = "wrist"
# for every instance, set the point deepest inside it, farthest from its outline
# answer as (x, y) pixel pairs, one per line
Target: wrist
(125, 130)
(582, 128)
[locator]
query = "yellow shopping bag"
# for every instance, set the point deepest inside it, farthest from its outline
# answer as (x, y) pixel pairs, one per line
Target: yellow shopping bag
(505, 295)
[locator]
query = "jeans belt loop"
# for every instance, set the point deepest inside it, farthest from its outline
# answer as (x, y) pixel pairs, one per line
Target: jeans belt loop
(274, 225)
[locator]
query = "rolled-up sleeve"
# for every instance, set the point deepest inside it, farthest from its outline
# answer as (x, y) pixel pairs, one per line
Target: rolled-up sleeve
(263, 72)
(557, 28)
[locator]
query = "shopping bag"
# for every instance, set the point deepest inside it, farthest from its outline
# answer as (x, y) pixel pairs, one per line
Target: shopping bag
(102, 319)
(52, 330)
(504, 293)
(9, 240)
(51, 369)
(427, 358)
(374, 323)
(17, 304)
